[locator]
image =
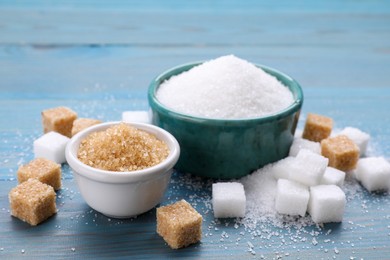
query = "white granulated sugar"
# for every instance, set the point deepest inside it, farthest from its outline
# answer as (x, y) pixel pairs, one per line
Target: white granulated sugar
(260, 189)
(226, 88)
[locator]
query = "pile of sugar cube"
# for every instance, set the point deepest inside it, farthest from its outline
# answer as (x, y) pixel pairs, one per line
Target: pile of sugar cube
(33, 200)
(61, 123)
(310, 179)
(41, 177)
(346, 151)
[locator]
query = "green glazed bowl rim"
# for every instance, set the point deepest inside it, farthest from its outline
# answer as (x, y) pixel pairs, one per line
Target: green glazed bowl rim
(286, 80)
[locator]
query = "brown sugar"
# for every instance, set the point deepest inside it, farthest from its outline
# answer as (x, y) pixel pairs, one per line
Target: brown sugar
(179, 224)
(341, 151)
(122, 148)
(59, 119)
(82, 123)
(42, 169)
(32, 201)
(317, 127)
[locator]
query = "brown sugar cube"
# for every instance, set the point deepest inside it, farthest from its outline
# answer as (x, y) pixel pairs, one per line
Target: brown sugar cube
(59, 119)
(342, 152)
(42, 169)
(317, 127)
(32, 201)
(82, 123)
(179, 224)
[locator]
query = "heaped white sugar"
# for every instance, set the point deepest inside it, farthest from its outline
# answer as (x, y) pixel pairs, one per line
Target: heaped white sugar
(308, 168)
(138, 116)
(333, 176)
(282, 168)
(51, 146)
(291, 198)
(373, 173)
(227, 88)
(260, 191)
(229, 200)
(300, 143)
(359, 137)
(326, 203)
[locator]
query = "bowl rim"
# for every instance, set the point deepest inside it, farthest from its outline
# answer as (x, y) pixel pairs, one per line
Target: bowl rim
(100, 175)
(293, 86)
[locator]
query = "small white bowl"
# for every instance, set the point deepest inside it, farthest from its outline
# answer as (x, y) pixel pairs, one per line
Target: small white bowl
(123, 194)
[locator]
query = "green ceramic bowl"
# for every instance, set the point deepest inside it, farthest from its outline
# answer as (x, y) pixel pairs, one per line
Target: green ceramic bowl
(227, 148)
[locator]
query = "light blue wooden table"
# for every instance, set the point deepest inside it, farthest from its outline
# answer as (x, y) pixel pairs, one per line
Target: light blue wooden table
(98, 58)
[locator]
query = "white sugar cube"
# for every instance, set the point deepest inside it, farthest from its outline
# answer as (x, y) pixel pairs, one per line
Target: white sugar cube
(359, 137)
(333, 176)
(281, 169)
(308, 168)
(300, 143)
(373, 173)
(51, 146)
(291, 198)
(136, 116)
(326, 203)
(353, 174)
(229, 200)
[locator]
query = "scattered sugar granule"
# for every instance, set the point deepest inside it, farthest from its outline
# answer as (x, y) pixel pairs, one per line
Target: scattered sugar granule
(122, 148)
(227, 87)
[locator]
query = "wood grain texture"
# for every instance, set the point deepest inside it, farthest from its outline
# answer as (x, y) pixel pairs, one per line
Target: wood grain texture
(98, 58)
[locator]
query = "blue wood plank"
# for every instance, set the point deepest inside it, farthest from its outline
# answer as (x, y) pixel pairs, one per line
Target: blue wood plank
(224, 6)
(137, 29)
(125, 71)
(178, 28)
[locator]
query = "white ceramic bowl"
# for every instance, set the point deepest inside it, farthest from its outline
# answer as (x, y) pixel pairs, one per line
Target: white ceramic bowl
(123, 194)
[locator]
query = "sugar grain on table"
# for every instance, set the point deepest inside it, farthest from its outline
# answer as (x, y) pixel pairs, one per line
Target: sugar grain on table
(227, 87)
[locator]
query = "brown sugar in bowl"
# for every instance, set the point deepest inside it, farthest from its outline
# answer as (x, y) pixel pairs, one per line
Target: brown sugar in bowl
(123, 194)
